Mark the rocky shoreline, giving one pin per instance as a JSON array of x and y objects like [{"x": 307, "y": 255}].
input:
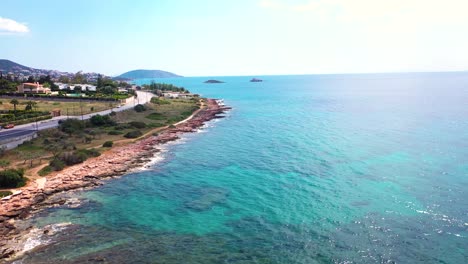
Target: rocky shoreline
[{"x": 112, "y": 163}]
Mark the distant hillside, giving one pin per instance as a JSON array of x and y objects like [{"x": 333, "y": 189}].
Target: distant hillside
[
  {"x": 140, "y": 74},
  {"x": 22, "y": 72},
  {"x": 9, "y": 66}
]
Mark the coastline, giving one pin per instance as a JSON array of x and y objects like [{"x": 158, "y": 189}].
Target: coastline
[{"x": 112, "y": 163}]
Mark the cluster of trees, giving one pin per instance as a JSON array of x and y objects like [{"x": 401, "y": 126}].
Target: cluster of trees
[
  {"x": 64, "y": 151},
  {"x": 108, "y": 86},
  {"x": 29, "y": 105},
  {"x": 70, "y": 158},
  {"x": 78, "y": 77},
  {"x": 8, "y": 83},
  {"x": 15, "y": 115},
  {"x": 158, "y": 88}
]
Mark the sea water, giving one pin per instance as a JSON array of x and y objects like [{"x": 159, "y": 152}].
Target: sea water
[{"x": 304, "y": 169}]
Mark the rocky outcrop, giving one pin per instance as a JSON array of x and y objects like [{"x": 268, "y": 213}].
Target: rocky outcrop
[{"x": 115, "y": 162}]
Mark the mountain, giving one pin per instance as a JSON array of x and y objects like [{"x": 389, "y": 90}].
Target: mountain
[
  {"x": 7, "y": 66},
  {"x": 140, "y": 74}
]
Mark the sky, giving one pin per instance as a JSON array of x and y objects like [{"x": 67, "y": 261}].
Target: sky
[{"x": 236, "y": 37}]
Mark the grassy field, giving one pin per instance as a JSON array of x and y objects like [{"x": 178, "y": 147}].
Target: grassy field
[
  {"x": 38, "y": 152},
  {"x": 158, "y": 115},
  {"x": 73, "y": 108}
]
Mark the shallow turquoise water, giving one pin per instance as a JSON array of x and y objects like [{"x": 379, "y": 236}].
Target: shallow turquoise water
[{"x": 304, "y": 169}]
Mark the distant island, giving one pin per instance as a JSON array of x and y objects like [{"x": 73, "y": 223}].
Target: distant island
[
  {"x": 256, "y": 80},
  {"x": 140, "y": 74},
  {"x": 213, "y": 81}
]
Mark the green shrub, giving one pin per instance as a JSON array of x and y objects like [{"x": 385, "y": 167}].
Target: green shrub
[
  {"x": 139, "y": 108},
  {"x": 72, "y": 158},
  {"x": 99, "y": 120},
  {"x": 57, "y": 164},
  {"x": 12, "y": 178},
  {"x": 115, "y": 132},
  {"x": 158, "y": 101},
  {"x": 71, "y": 126},
  {"x": 108, "y": 144},
  {"x": 133, "y": 134},
  {"x": 137, "y": 124},
  {"x": 44, "y": 171},
  {"x": 154, "y": 125},
  {"x": 5, "y": 193},
  {"x": 155, "y": 116},
  {"x": 90, "y": 152},
  {"x": 122, "y": 126}
]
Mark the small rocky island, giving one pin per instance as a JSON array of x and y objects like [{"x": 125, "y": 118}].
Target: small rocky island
[
  {"x": 213, "y": 81},
  {"x": 256, "y": 80}
]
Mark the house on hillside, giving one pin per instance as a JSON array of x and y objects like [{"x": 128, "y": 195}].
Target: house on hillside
[
  {"x": 122, "y": 90},
  {"x": 32, "y": 88},
  {"x": 84, "y": 87}
]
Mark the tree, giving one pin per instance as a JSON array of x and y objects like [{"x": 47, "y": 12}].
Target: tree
[
  {"x": 64, "y": 79},
  {"x": 45, "y": 79},
  {"x": 108, "y": 90},
  {"x": 99, "y": 81},
  {"x": 30, "y": 105},
  {"x": 59, "y": 146},
  {"x": 79, "y": 78},
  {"x": 31, "y": 156},
  {"x": 7, "y": 86},
  {"x": 31, "y": 79},
  {"x": 14, "y": 102}
]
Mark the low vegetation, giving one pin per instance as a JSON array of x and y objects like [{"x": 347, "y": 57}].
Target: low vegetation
[
  {"x": 74, "y": 108},
  {"x": 74, "y": 140}
]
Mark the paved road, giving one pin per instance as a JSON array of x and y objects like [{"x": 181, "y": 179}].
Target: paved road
[
  {"x": 14, "y": 133},
  {"x": 22, "y": 131}
]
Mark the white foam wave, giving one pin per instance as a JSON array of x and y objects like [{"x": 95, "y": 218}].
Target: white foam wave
[{"x": 41, "y": 236}]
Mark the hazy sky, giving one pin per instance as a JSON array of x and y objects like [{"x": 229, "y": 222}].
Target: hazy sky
[{"x": 238, "y": 37}]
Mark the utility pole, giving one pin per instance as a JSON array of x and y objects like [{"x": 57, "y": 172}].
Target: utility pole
[{"x": 81, "y": 107}]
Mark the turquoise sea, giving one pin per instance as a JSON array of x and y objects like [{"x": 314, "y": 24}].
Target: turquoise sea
[{"x": 305, "y": 169}]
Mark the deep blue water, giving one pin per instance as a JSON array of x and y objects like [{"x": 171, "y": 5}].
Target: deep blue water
[{"x": 304, "y": 169}]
